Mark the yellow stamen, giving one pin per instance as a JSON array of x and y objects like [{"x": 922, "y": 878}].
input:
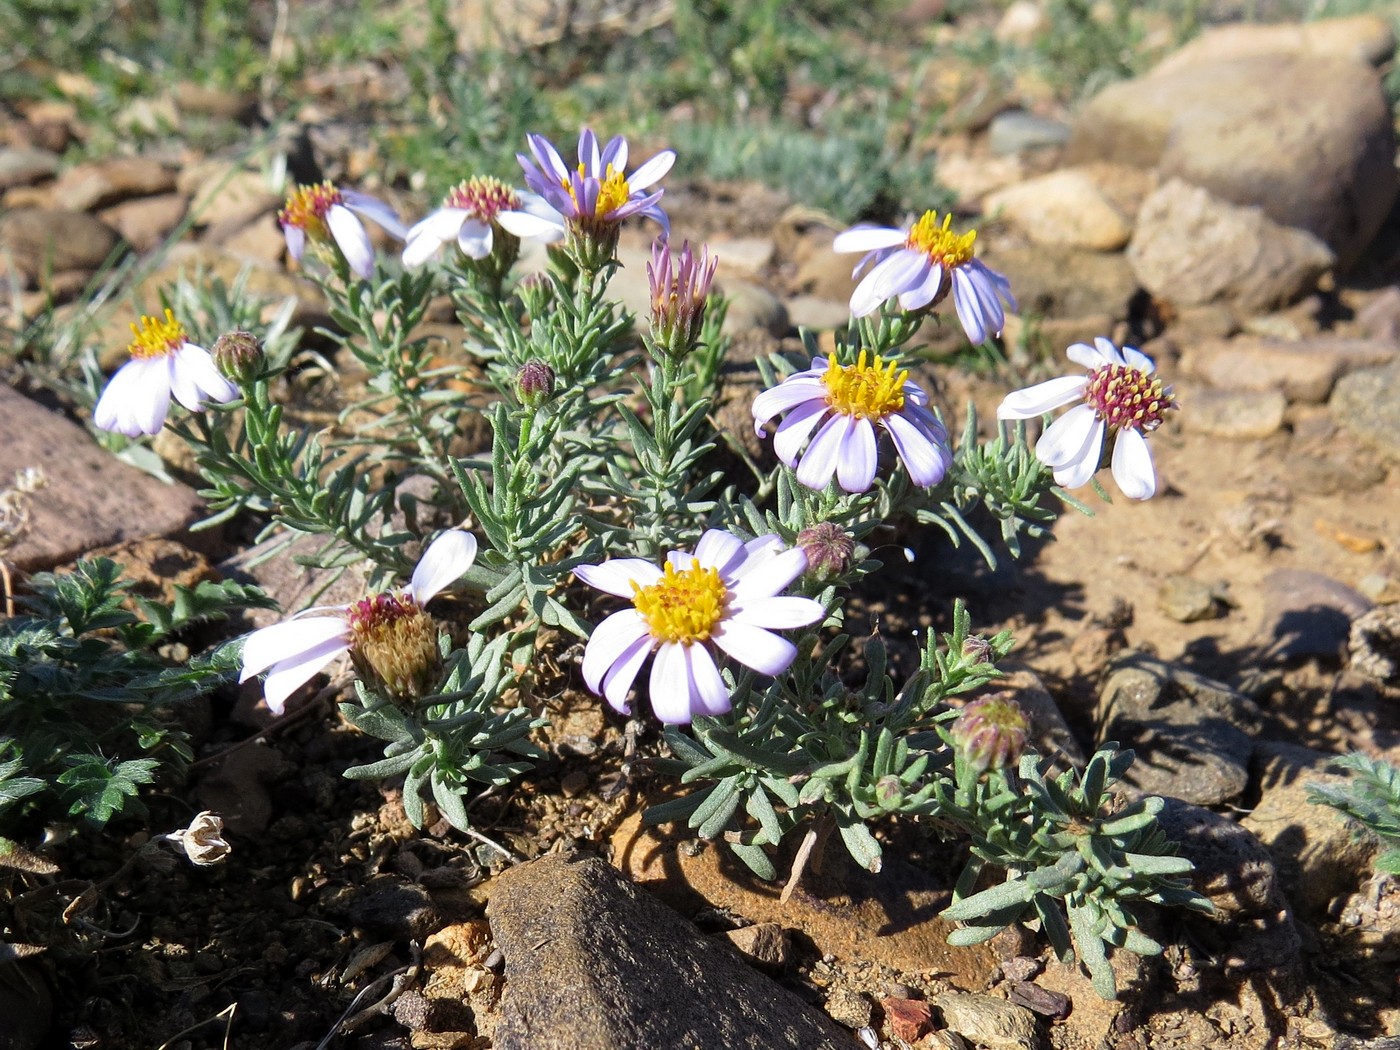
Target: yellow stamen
[
  {"x": 306, "y": 209},
  {"x": 684, "y": 605},
  {"x": 939, "y": 242},
  {"x": 613, "y": 191},
  {"x": 156, "y": 337},
  {"x": 870, "y": 390}
]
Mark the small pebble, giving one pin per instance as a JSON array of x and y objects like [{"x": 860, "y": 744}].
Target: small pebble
[
  {"x": 1187, "y": 600},
  {"x": 849, "y": 1008},
  {"x": 574, "y": 784}
]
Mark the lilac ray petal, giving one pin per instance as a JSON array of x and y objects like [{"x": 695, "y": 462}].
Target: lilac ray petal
[
  {"x": 793, "y": 431},
  {"x": 295, "y": 237},
  {"x": 887, "y": 278},
  {"x": 868, "y": 238},
  {"x": 819, "y": 461},
  {"x": 615, "y": 153},
  {"x": 754, "y": 647},
  {"x": 788, "y": 394},
  {"x": 708, "y": 694},
  {"x": 1044, "y": 397},
  {"x": 612, "y": 638},
  {"x": 476, "y": 239},
  {"x": 287, "y": 677},
  {"x": 353, "y": 240},
  {"x": 924, "y": 292},
  {"x": 670, "y": 684},
  {"x": 616, "y": 575},
  {"x": 442, "y": 564},
  {"x": 375, "y": 210},
  {"x": 548, "y": 157},
  {"x": 588, "y": 153},
  {"x": 980, "y": 319},
  {"x": 288, "y": 641},
  {"x": 855, "y": 469},
  {"x": 777, "y": 613},
  {"x": 653, "y": 170},
  {"x": 925, "y": 459},
  {"x": 1064, "y": 440},
  {"x": 1132, "y": 465},
  {"x": 764, "y": 578},
  {"x": 623, "y": 673}
]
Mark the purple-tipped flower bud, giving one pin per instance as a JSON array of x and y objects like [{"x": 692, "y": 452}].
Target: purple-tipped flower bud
[
  {"x": 829, "y": 549},
  {"x": 889, "y": 792},
  {"x": 680, "y": 286},
  {"x": 534, "y": 384},
  {"x": 991, "y": 732},
  {"x": 977, "y": 650},
  {"x": 238, "y": 355}
]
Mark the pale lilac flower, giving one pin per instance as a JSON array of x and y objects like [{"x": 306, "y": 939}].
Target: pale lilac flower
[
  {"x": 849, "y": 402},
  {"x": 920, "y": 265},
  {"x": 325, "y": 215},
  {"x": 163, "y": 363},
  {"x": 392, "y": 625},
  {"x": 727, "y": 593},
  {"x": 592, "y": 198},
  {"x": 468, "y": 218},
  {"x": 1123, "y": 400}
]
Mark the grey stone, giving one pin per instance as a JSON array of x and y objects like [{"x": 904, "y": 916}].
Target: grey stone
[
  {"x": 1187, "y": 600},
  {"x": 809, "y": 311},
  {"x": 24, "y": 167},
  {"x": 1241, "y": 415},
  {"x": 1368, "y": 404},
  {"x": 92, "y": 499},
  {"x": 753, "y": 306},
  {"x": 1307, "y": 614},
  {"x": 1016, "y": 131},
  {"x": 1190, "y": 248},
  {"x": 765, "y": 944},
  {"x": 394, "y": 908},
  {"x": 1305, "y": 370},
  {"x": 1192, "y": 735},
  {"x": 1306, "y": 137},
  {"x": 593, "y": 963},
  {"x": 988, "y": 1021},
  {"x": 44, "y": 240}
]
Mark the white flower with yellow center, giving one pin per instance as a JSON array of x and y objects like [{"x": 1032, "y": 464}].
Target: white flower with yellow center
[
  {"x": 850, "y": 402},
  {"x": 329, "y": 218},
  {"x": 163, "y": 363},
  {"x": 920, "y": 265},
  {"x": 1123, "y": 400},
  {"x": 725, "y": 594}
]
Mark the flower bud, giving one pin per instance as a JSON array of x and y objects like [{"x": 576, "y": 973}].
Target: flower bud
[
  {"x": 977, "y": 650},
  {"x": 203, "y": 841},
  {"x": 828, "y": 547},
  {"x": 991, "y": 732},
  {"x": 889, "y": 792},
  {"x": 534, "y": 384},
  {"x": 680, "y": 287},
  {"x": 238, "y": 355}
]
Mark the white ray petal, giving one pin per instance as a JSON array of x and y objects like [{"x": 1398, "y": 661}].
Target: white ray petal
[
  {"x": 777, "y": 613},
  {"x": 353, "y": 240},
  {"x": 1065, "y": 440},
  {"x": 287, "y": 641},
  {"x": 1132, "y": 465},
  {"x": 442, "y": 564},
  {"x": 616, "y": 575},
  {"x": 609, "y": 641},
  {"x": 754, "y": 647},
  {"x": 868, "y": 239},
  {"x": 1044, "y": 397}
]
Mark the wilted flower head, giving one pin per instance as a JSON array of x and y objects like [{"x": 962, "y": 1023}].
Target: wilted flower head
[
  {"x": 238, "y": 355},
  {"x": 329, "y": 219},
  {"x": 850, "y": 401},
  {"x": 592, "y": 199},
  {"x": 919, "y": 266},
  {"x": 1123, "y": 401},
  {"x": 828, "y": 547},
  {"x": 991, "y": 732},
  {"x": 680, "y": 286},
  {"x": 203, "y": 841},
  {"x": 534, "y": 383},
  {"x": 726, "y": 593},
  {"x": 390, "y": 637},
  {"x": 163, "y": 363}
]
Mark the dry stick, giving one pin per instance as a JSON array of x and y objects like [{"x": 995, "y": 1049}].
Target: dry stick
[
  {"x": 9, "y": 587},
  {"x": 228, "y": 1027},
  {"x": 348, "y": 1022},
  {"x": 282, "y": 722},
  {"x": 809, "y": 852}
]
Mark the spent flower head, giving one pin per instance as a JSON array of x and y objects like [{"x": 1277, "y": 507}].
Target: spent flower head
[
  {"x": 163, "y": 363},
  {"x": 390, "y": 637},
  {"x": 469, "y": 219},
  {"x": 920, "y": 265},
  {"x": 238, "y": 355},
  {"x": 203, "y": 841},
  {"x": 328, "y": 218},
  {"x": 726, "y": 594},
  {"x": 991, "y": 732},
  {"x": 829, "y": 549},
  {"x": 680, "y": 286},
  {"x": 1123, "y": 400},
  {"x": 850, "y": 402},
  {"x": 592, "y": 199}
]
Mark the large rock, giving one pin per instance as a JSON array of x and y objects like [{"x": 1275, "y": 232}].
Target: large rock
[
  {"x": 1305, "y": 370},
  {"x": 1307, "y": 137},
  {"x": 1192, "y": 735},
  {"x": 1360, "y": 38},
  {"x": 1062, "y": 281},
  {"x": 1368, "y": 404},
  {"x": 1063, "y": 207},
  {"x": 91, "y": 499},
  {"x": 46, "y": 240},
  {"x": 24, "y": 167},
  {"x": 1191, "y": 248},
  {"x": 592, "y": 963}
]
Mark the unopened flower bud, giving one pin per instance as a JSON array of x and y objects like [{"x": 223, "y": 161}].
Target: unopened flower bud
[
  {"x": 977, "y": 650},
  {"x": 889, "y": 792},
  {"x": 238, "y": 355},
  {"x": 535, "y": 291},
  {"x": 534, "y": 384},
  {"x": 991, "y": 732},
  {"x": 680, "y": 287},
  {"x": 203, "y": 841},
  {"x": 828, "y": 547}
]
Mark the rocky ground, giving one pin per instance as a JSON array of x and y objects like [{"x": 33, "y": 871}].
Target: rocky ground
[{"x": 1232, "y": 212}]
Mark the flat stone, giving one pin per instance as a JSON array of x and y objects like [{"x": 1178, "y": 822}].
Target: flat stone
[
  {"x": 24, "y": 167},
  {"x": 96, "y": 185},
  {"x": 765, "y": 944},
  {"x": 989, "y": 1021},
  {"x": 92, "y": 499},
  {"x": 809, "y": 311},
  {"x": 1191, "y": 248},
  {"x": 1016, "y": 131},
  {"x": 742, "y": 256},
  {"x": 146, "y": 221},
  {"x": 225, "y": 193},
  {"x": 753, "y": 306},
  {"x": 1367, "y": 403},
  {"x": 1187, "y": 600},
  {"x": 45, "y": 240},
  {"x": 593, "y": 963},
  {"x": 1062, "y": 281},
  {"x": 1063, "y": 207},
  {"x": 1369, "y": 39},
  {"x": 1192, "y": 735},
  {"x": 1241, "y": 415},
  {"x": 1305, "y": 370},
  {"x": 1307, "y": 613}
]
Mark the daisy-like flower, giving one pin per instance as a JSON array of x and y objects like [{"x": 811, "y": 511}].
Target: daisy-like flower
[
  {"x": 389, "y": 636},
  {"x": 163, "y": 362},
  {"x": 920, "y": 265},
  {"x": 467, "y": 219},
  {"x": 850, "y": 401},
  {"x": 1123, "y": 399},
  {"x": 727, "y": 593},
  {"x": 592, "y": 199},
  {"x": 329, "y": 218},
  {"x": 680, "y": 287}
]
